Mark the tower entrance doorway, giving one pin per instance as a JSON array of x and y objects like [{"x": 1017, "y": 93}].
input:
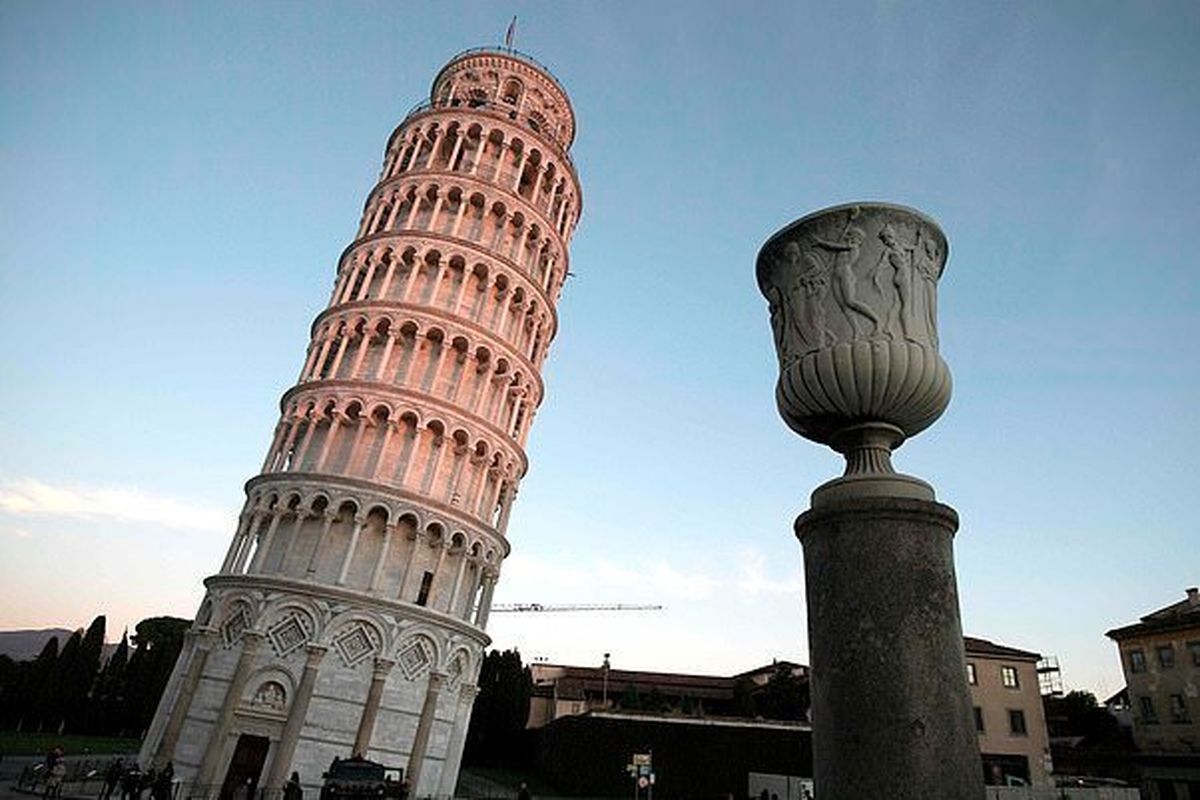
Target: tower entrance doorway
[{"x": 245, "y": 768}]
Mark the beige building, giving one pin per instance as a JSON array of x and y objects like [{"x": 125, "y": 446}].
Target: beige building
[
  {"x": 1009, "y": 718},
  {"x": 1160, "y": 655},
  {"x": 349, "y": 614}
]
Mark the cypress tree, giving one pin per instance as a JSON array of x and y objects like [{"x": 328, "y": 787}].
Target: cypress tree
[
  {"x": 79, "y": 677},
  {"x": 39, "y": 684},
  {"x": 107, "y": 708}
]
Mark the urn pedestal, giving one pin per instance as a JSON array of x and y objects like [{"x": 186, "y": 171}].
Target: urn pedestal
[{"x": 852, "y": 292}]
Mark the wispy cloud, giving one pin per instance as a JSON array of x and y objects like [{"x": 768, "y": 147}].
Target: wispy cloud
[
  {"x": 31, "y": 497},
  {"x": 754, "y": 579}
]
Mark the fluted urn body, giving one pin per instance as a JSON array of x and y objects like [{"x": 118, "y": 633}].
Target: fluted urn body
[{"x": 853, "y": 301}]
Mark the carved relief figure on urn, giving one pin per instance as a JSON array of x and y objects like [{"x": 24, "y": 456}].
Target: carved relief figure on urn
[{"x": 852, "y": 292}]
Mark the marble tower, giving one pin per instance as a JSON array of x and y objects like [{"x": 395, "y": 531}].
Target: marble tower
[{"x": 349, "y": 615}]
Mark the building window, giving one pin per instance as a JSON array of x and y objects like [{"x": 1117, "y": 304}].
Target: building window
[
  {"x": 971, "y": 679},
  {"x": 1179, "y": 712},
  {"x": 1137, "y": 661},
  {"x": 1146, "y": 707},
  {"x": 1194, "y": 649},
  {"x": 1016, "y": 722},
  {"x": 978, "y": 719},
  {"x": 1008, "y": 677},
  {"x": 426, "y": 585},
  {"x": 1166, "y": 656}
]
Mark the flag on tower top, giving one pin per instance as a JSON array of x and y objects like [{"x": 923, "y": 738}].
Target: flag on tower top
[{"x": 508, "y": 37}]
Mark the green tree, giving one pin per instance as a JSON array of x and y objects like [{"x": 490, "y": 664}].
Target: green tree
[
  {"x": 1078, "y": 714},
  {"x": 158, "y": 641},
  {"x": 40, "y": 687},
  {"x": 785, "y": 696},
  {"x": 108, "y": 698},
  {"x": 496, "y": 733},
  {"x": 77, "y": 675}
]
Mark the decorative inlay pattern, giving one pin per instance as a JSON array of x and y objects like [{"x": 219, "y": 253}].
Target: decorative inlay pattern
[
  {"x": 235, "y": 626},
  {"x": 288, "y": 634},
  {"x": 414, "y": 659},
  {"x": 356, "y": 644}
]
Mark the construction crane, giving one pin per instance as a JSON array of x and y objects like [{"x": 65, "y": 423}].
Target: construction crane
[{"x": 547, "y": 607}]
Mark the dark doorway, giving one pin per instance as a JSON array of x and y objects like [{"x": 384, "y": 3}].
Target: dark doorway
[{"x": 241, "y": 780}]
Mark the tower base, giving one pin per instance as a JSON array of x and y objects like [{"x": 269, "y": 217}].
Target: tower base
[{"x": 891, "y": 712}]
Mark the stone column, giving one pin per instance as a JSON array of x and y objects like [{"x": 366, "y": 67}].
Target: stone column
[
  {"x": 485, "y": 601},
  {"x": 248, "y": 539},
  {"x": 887, "y": 651},
  {"x": 891, "y": 710},
  {"x": 344, "y": 572},
  {"x": 364, "y": 345},
  {"x": 251, "y": 640},
  {"x": 416, "y": 758},
  {"x": 454, "y": 750},
  {"x": 260, "y": 555},
  {"x": 282, "y": 762},
  {"x": 366, "y": 723},
  {"x": 311, "y": 570},
  {"x": 235, "y": 547},
  {"x": 387, "y": 355},
  {"x": 384, "y": 552},
  {"x": 202, "y": 644}
]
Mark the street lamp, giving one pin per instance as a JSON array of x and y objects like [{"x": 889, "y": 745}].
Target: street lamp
[{"x": 605, "y": 669}]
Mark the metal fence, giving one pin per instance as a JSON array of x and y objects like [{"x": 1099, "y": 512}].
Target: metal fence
[{"x": 1062, "y": 793}]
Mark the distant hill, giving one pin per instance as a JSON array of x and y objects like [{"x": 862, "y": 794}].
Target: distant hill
[{"x": 25, "y": 645}]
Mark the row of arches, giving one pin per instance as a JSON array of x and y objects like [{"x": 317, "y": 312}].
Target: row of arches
[
  {"x": 434, "y": 361},
  {"x": 369, "y": 547},
  {"x": 511, "y": 310},
  {"x": 496, "y": 156},
  {"x": 498, "y": 225},
  {"x": 338, "y": 436},
  {"x": 233, "y": 611},
  {"x": 481, "y": 84}
]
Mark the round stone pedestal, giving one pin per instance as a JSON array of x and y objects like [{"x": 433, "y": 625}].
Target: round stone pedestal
[{"x": 891, "y": 711}]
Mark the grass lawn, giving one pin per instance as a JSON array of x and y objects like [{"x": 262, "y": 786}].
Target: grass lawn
[{"x": 26, "y": 744}]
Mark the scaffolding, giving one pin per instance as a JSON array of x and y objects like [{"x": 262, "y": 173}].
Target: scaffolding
[{"x": 1049, "y": 677}]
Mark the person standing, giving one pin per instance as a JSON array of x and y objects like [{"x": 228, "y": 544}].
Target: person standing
[
  {"x": 160, "y": 789},
  {"x": 292, "y": 789},
  {"x": 112, "y": 776}
]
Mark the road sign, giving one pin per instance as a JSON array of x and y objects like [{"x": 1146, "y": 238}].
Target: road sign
[
  {"x": 643, "y": 782},
  {"x": 641, "y": 759}
]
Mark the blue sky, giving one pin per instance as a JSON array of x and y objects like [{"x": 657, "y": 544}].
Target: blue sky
[{"x": 181, "y": 178}]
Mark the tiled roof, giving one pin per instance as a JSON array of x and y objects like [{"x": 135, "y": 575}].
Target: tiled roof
[
  {"x": 982, "y": 647},
  {"x": 1180, "y": 615}
]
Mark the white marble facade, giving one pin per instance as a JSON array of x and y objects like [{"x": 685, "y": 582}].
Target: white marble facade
[{"x": 349, "y": 614}]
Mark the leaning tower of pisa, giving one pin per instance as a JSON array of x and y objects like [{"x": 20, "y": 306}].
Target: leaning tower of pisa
[{"x": 349, "y": 614}]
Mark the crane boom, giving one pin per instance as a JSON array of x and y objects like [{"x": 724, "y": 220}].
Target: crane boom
[{"x": 547, "y": 607}]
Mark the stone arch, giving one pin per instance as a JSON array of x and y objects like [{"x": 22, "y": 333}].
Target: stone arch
[{"x": 512, "y": 90}]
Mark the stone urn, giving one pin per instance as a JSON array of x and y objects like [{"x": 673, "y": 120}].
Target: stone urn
[{"x": 852, "y": 292}]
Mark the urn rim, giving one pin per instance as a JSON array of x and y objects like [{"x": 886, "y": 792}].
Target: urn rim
[{"x": 771, "y": 241}]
